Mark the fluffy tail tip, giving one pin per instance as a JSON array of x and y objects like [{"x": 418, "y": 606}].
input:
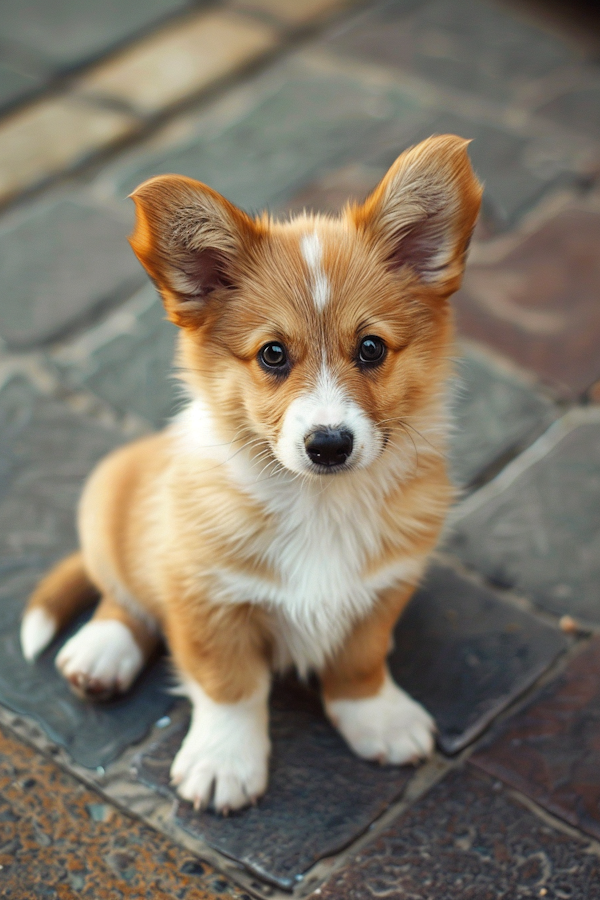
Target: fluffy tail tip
[{"x": 37, "y": 630}]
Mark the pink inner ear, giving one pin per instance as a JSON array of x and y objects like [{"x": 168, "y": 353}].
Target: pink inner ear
[
  {"x": 200, "y": 272},
  {"x": 424, "y": 247}
]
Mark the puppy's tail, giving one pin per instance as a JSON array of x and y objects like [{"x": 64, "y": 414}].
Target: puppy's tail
[{"x": 59, "y": 596}]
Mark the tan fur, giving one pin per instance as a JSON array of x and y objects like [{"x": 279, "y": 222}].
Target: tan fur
[
  {"x": 65, "y": 590},
  {"x": 156, "y": 517}
]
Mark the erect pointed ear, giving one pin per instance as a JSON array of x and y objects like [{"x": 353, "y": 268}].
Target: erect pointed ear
[
  {"x": 190, "y": 240},
  {"x": 423, "y": 212}
]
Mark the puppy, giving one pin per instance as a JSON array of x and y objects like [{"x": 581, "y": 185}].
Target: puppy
[{"x": 286, "y": 515}]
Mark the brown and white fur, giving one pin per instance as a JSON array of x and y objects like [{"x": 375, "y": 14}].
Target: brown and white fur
[{"x": 220, "y": 532}]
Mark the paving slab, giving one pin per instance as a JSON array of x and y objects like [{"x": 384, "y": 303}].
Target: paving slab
[
  {"x": 16, "y": 84},
  {"x": 537, "y": 301},
  {"x": 330, "y": 192},
  {"x": 63, "y": 840},
  {"x": 549, "y": 750},
  {"x": 536, "y": 527},
  {"x": 496, "y": 413},
  {"x": 576, "y": 107},
  {"x": 290, "y": 12},
  {"x": 283, "y": 130},
  {"x": 468, "y": 838},
  {"x": 459, "y": 649},
  {"x": 46, "y": 451},
  {"x": 466, "y": 653},
  {"x": 61, "y": 262},
  {"x": 55, "y": 134},
  {"x": 65, "y": 33},
  {"x": 181, "y": 59},
  {"x": 320, "y": 796},
  {"x": 472, "y": 46},
  {"x": 127, "y": 359}
]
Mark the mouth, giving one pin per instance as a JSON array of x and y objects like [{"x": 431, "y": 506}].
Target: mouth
[{"x": 329, "y": 470}]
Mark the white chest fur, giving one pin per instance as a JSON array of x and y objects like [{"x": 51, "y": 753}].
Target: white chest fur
[{"x": 324, "y": 531}]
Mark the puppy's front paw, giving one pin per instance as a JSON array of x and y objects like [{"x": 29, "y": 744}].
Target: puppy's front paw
[
  {"x": 223, "y": 761},
  {"x": 390, "y": 727},
  {"x": 102, "y": 659}
]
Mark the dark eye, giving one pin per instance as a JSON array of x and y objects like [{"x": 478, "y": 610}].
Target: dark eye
[
  {"x": 273, "y": 356},
  {"x": 371, "y": 351}
]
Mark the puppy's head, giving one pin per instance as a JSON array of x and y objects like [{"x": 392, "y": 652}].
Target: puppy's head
[{"x": 315, "y": 340}]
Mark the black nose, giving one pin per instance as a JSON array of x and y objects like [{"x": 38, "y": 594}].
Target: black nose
[{"x": 329, "y": 446}]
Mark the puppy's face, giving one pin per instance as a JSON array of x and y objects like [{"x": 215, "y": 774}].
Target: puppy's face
[{"x": 315, "y": 340}]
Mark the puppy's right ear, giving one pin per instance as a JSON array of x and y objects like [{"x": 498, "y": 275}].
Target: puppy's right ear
[{"x": 190, "y": 240}]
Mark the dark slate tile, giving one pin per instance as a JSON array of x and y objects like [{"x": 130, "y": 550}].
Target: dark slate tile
[
  {"x": 473, "y": 46},
  {"x": 495, "y": 415},
  {"x": 46, "y": 451},
  {"x": 59, "y": 264},
  {"x": 63, "y": 33},
  {"x": 128, "y": 360},
  {"x": 536, "y": 527},
  {"x": 549, "y": 750},
  {"x": 468, "y": 838},
  {"x": 466, "y": 654},
  {"x": 320, "y": 796},
  {"x": 330, "y": 192},
  {"x": 302, "y": 120},
  {"x": 576, "y": 108},
  {"x": 538, "y": 301},
  {"x": 15, "y": 84}
]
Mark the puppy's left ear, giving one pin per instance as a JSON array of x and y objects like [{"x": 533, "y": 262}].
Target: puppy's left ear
[
  {"x": 423, "y": 212},
  {"x": 191, "y": 241}
]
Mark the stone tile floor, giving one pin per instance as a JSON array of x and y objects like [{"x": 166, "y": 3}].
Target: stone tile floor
[{"x": 286, "y": 104}]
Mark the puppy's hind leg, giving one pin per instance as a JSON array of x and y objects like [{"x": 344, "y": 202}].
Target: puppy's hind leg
[{"x": 106, "y": 655}]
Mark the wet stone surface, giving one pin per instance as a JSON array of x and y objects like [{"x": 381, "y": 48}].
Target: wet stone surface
[
  {"x": 128, "y": 360},
  {"x": 66, "y": 32},
  {"x": 320, "y": 796},
  {"x": 60, "y": 263},
  {"x": 495, "y": 414},
  {"x": 46, "y": 452},
  {"x": 465, "y": 654},
  {"x": 467, "y": 838},
  {"x": 549, "y": 750},
  {"x": 15, "y": 83},
  {"x": 470, "y": 45},
  {"x": 578, "y": 108},
  {"x": 537, "y": 526},
  {"x": 61, "y": 840}
]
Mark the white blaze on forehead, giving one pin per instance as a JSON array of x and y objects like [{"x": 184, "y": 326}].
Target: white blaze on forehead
[{"x": 312, "y": 252}]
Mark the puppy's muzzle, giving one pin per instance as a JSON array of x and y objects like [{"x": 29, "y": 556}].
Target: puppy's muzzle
[{"x": 329, "y": 447}]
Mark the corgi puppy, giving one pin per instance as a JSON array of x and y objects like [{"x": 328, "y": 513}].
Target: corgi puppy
[{"x": 284, "y": 517}]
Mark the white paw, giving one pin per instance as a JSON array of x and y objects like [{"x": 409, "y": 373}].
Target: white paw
[
  {"x": 37, "y": 630},
  {"x": 102, "y": 659},
  {"x": 223, "y": 761},
  {"x": 390, "y": 727}
]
